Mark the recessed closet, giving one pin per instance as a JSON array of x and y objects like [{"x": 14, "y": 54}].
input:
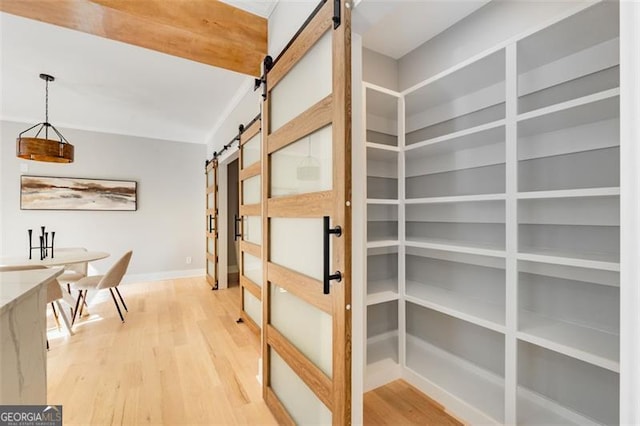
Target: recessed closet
[{"x": 490, "y": 207}]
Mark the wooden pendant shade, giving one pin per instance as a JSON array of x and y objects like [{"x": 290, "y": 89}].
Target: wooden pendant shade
[
  {"x": 47, "y": 150},
  {"x": 44, "y": 149}
]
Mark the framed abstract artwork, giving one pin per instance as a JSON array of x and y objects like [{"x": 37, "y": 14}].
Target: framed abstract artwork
[{"x": 65, "y": 193}]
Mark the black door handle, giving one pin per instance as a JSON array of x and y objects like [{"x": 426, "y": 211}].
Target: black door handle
[
  {"x": 211, "y": 228},
  {"x": 236, "y": 228},
  {"x": 328, "y": 277}
]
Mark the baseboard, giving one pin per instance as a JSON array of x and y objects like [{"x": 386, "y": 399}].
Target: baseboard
[{"x": 161, "y": 276}]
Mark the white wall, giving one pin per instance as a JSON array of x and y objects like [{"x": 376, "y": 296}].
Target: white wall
[
  {"x": 379, "y": 69},
  {"x": 166, "y": 228},
  {"x": 492, "y": 24}
]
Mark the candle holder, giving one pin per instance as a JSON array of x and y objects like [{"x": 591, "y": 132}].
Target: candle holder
[{"x": 44, "y": 243}]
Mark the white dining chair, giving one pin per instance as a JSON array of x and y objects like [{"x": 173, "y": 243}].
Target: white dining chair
[{"x": 110, "y": 281}]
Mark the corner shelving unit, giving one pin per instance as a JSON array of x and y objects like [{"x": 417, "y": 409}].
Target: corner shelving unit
[
  {"x": 383, "y": 231},
  {"x": 494, "y": 229}
]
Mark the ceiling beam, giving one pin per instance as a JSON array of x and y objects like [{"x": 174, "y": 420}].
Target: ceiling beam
[{"x": 206, "y": 31}]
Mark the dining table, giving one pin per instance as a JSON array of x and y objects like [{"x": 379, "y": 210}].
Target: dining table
[{"x": 61, "y": 257}]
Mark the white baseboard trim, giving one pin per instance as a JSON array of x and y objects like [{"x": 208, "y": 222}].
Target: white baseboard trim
[{"x": 164, "y": 275}]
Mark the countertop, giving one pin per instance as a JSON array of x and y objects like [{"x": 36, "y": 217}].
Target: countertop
[{"x": 16, "y": 284}]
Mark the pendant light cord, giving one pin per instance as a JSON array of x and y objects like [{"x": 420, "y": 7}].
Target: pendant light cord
[{"x": 46, "y": 108}]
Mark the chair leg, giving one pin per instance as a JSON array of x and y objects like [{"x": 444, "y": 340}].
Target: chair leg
[
  {"x": 116, "y": 302},
  {"x": 65, "y": 319},
  {"x": 55, "y": 315},
  {"x": 84, "y": 301},
  {"x": 75, "y": 310},
  {"x": 121, "y": 299}
]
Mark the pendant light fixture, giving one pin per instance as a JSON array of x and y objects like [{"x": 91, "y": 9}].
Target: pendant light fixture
[{"x": 44, "y": 149}]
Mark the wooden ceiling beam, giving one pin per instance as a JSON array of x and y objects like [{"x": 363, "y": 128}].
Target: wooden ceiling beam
[{"x": 206, "y": 31}]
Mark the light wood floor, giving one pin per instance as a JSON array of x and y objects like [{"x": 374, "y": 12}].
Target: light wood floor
[
  {"x": 180, "y": 359},
  {"x": 398, "y": 403}
]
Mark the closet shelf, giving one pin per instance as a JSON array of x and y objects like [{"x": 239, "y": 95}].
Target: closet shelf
[
  {"x": 575, "y": 115},
  {"x": 383, "y": 347},
  {"x": 535, "y": 409},
  {"x": 583, "y": 343},
  {"x": 570, "y": 193},
  {"x": 442, "y": 373},
  {"x": 374, "y": 201},
  {"x": 383, "y": 147},
  {"x": 484, "y": 314},
  {"x": 385, "y": 243},
  {"x": 456, "y": 199},
  {"x": 381, "y": 291},
  {"x": 469, "y": 249},
  {"x": 570, "y": 261},
  {"x": 475, "y": 136}
]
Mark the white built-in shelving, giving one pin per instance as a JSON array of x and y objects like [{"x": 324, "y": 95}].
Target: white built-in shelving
[
  {"x": 506, "y": 162},
  {"x": 384, "y": 226}
]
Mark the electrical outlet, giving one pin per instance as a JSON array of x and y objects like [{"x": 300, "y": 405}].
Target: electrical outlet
[{"x": 188, "y": 260}]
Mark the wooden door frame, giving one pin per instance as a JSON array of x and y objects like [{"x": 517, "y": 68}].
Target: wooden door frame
[
  {"x": 251, "y": 130},
  {"x": 223, "y": 217},
  {"x": 335, "y": 109},
  {"x": 211, "y": 167}
]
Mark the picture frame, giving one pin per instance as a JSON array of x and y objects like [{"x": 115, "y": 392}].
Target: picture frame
[{"x": 69, "y": 193}]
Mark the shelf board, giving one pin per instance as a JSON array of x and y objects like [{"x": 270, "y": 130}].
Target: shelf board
[
  {"x": 488, "y": 315},
  {"x": 374, "y": 201},
  {"x": 456, "y": 382},
  {"x": 456, "y": 199},
  {"x": 570, "y": 193},
  {"x": 587, "y": 109},
  {"x": 484, "y": 134},
  {"x": 583, "y": 343},
  {"x": 535, "y": 409},
  {"x": 381, "y": 291},
  {"x": 383, "y": 346},
  {"x": 570, "y": 261},
  {"x": 384, "y": 243},
  {"x": 383, "y": 147},
  {"x": 456, "y": 248}
]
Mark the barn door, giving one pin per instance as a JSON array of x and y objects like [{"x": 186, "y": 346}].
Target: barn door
[
  {"x": 307, "y": 224},
  {"x": 250, "y": 233},
  {"x": 211, "y": 223}
]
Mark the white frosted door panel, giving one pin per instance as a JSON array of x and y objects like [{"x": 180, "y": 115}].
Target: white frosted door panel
[
  {"x": 210, "y": 178},
  {"x": 307, "y": 83},
  {"x": 252, "y": 307},
  {"x": 252, "y": 230},
  {"x": 297, "y": 244},
  {"x": 251, "y": 190},
  {"x": 302, "y": 404},
  {"x": 211, "y": 246},
  {"x": 252, "y": 268},
  {"x": 211, "y": 268},
  {"x": 303, "y": 166},
  {"x": 311, "y": 330},
  {"x": 251, "y": 151},
  {"x": 210, "y": 200}
]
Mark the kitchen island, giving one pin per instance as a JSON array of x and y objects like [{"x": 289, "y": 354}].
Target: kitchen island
[{"x": 23, "y": 352}]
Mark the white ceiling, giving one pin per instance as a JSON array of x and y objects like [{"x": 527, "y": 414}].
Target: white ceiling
[
  {"x": 108, "y": 86},
  {"x": 407, "y": 24}
]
